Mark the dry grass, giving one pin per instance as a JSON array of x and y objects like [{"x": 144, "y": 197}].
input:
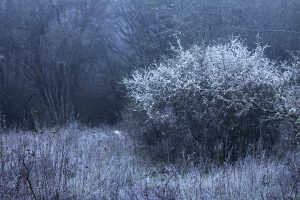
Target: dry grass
[{"x": 81, "y": 163}]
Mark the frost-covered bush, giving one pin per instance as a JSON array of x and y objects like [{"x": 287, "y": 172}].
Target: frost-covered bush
[
  {"x": 219, "y": 100},
  {"x": 291, "y": 96}
]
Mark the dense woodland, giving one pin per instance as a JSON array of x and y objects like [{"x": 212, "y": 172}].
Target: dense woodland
[
  {"x": 150, "y": 99},
  {"x": 65, "y": 59}
]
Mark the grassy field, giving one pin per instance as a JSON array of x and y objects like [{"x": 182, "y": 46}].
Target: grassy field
[{"x": 76, "y": 162}]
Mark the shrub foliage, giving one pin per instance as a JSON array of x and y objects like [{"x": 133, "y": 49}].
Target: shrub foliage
[{"x": 218, "y": 100}]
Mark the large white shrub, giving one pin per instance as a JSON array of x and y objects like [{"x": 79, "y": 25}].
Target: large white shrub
[
  {"x": 213, "y": 90},
  {"x": 223, "y": 71}
]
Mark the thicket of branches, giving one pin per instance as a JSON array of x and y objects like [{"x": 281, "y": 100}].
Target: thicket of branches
[
  {"x": 57, "y": 62},
  {"x": 216, "y": 101}
]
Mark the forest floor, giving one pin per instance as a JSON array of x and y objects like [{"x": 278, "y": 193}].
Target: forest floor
[{"x": 76, "y": 162}]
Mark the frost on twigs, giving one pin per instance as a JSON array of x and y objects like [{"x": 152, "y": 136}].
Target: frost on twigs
[
  {"x": 230, "y": 73},
  {"x": 220, "y": 92}
]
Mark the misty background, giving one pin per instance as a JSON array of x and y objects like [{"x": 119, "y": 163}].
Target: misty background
[{"x": 63, "y": 60}]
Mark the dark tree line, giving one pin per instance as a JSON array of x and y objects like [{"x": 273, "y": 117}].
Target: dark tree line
[
  {"x": 56, "y": 61},
  {"x": 64, "y": 59}
]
